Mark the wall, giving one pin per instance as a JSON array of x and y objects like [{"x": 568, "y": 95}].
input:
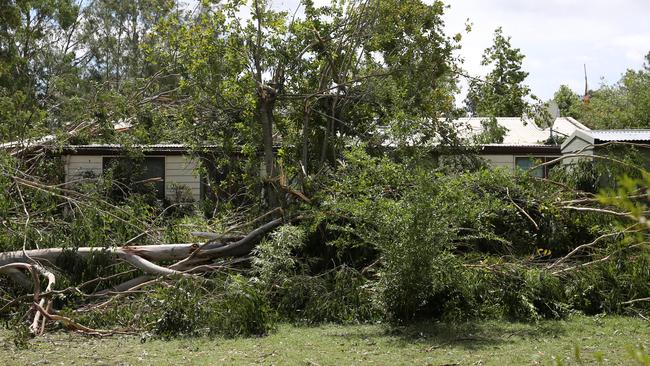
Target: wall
[
  {"x": 78, "y": 165},
  {"x": 180, "y": 170},
  {"x": 574, "y": 146},
  {"x": 501, "y": 161}
]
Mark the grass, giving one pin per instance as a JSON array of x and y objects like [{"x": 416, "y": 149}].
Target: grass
[{"x": 483, "y": 343}]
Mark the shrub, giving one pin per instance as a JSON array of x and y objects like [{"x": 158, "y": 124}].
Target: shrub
[
  {"x": 235, "y": 307},
  {"x": 227, "y": 306},
  {"x": 340, "y": 294}
]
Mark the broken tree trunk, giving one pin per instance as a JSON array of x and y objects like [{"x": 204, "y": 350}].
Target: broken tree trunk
[{"x": 188, "y": 259}]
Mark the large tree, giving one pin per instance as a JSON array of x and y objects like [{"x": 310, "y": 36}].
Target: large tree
[
  {"x": 503, "y": 91},
  {"x": 567, "y": 101},
  {"x": 277, "y": 85},
  {"x": 625, "y": 104},
  {"x": 35, "y": 52}
]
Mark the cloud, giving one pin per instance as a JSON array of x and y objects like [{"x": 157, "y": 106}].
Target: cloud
[
  {"x": 634, "y": 46},
  {"x": 558, "y": 37}
]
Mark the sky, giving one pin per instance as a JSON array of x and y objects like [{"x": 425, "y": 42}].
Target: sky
[{"x": 557, "y": 37}]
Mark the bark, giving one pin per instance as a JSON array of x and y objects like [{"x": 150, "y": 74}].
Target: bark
[
  {"x": 155, "y": 253},
  {"x": 266, "y": 101}
]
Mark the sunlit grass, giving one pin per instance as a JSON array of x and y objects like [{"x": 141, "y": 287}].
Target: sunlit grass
[{"x": 482, "y": 343}]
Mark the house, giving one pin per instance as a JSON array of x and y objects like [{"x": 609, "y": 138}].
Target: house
[
  {"x": 524, "y": 144},
  {"x": 173, "y": 168},
  {"x": 624, "y": 144},
  {"x": 595, "y": 142},
  {"x": 170, "y": 167}
]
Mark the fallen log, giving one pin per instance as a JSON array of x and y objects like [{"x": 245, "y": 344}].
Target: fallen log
[
  {"x": 154, "y": 253},
  {"x": 189, "y": 259}
]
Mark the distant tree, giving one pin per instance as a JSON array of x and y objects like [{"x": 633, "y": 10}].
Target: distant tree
[
  {"x": 502, "y": 92},
  {"x": 492, "y": 133},
  {"x": 567, "y": 101},
  {"x": 35, "y": 51},
  {"x": 115, "y": 34},
  {"x": 625, "y": 104}
]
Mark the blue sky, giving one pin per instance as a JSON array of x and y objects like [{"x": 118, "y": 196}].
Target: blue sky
[{"x": 557, "y": 37}]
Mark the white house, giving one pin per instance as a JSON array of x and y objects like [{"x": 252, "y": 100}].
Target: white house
[
  {"x": 170, "y": 165},
  {"x": 524, "y": 144}
]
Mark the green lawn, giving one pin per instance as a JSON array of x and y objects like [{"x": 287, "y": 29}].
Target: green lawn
[{"x": 484, "y": 343}]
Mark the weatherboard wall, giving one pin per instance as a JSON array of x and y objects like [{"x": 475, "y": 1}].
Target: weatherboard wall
[
  {"x": 500, "y": 161},
  {"x": 574, "y": 147},
  {"x": 180, "y": 173}
]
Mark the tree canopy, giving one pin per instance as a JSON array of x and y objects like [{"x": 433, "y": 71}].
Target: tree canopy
[
  {"x": 624, "y": 104},
  {"x": 503, "y": 91}
]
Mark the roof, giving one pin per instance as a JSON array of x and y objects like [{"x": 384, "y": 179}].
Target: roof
[
  {"x": 593, "y": 137},
  {"x": 520, "y": 131},
  {"x": 112, "y": 149},
  {"x": 567, "y": 125},
  {"x": 120, "y": 126},
  {"x": 620, "y": 135},
  {"x": 520, "y": 149}
]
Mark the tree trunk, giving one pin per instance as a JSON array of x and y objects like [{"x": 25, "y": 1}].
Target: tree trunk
[
  {"x": 265, "y": 105},
  {"x": 305, "y": 139}
]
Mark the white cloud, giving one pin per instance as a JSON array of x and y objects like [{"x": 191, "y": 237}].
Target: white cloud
[{"x": 557, "y": 36}]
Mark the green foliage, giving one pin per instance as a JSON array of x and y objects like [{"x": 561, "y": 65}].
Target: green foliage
[
  {"x": 19, "y": 329},
  {"x": 194, "y": 308},
  {"x": 603, "y": 287},
  {"x": 567, "y": 101},
  {"x": 426, "y": 226},
  {"x": 502, "y": 92},
  {"x": 341, "y": 294},
  {"x": 492, "y": 132},
  {"x": 225, "y": 306},
  {"x": 275, "y": 259},
  {"x": 625, "y": 104}
]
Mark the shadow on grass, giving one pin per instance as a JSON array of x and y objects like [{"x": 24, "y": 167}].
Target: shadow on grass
[{"x": 470, "y": 335}]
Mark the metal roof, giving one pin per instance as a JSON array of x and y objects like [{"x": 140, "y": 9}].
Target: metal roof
[
  {"x": 520, "y": 149},
  {"x": 620, "y": 135},
  {"x": 148, "y": 149},
  {"x": 520, "y": 131}
]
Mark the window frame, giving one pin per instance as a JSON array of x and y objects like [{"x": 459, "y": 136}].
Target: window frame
[
  {"x": 542, "y": 160},
  {"x": 160, "y": 193}
]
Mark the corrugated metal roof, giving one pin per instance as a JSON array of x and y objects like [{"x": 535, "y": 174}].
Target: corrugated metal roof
[
  {"x": 116, "y": 148},
  {"x": 520, "y": 131},
  {"x": 620, "y": 135},
  {"x": 521, "y": 145},
  {"x": 567, "y": 125}
]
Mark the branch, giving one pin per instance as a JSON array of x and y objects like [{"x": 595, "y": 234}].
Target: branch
[{"x": 588, "y": 245}]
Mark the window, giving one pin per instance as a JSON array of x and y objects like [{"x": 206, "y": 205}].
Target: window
[
  {"x": 528, "y": 162},
  {"x": 139, "y": 176}
]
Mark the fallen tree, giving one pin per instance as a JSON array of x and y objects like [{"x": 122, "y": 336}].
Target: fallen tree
[
  {"x": 385, "y": 239},
  {"x": 188, "y": 259}
]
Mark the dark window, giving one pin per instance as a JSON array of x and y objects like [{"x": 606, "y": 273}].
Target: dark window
[
  {"x": 140, "y": 176},
  {"x": 528, "y": 162}
]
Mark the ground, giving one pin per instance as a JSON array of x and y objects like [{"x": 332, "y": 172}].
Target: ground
[{"x": 483, "y": 343}]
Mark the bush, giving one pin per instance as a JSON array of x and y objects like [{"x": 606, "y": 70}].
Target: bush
[
  {"x": 424, "y": 224},
  {"x": 226, "y": 306},
  {"x": 340, "y": 294},
  {"x": 235, "y": 307}
]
